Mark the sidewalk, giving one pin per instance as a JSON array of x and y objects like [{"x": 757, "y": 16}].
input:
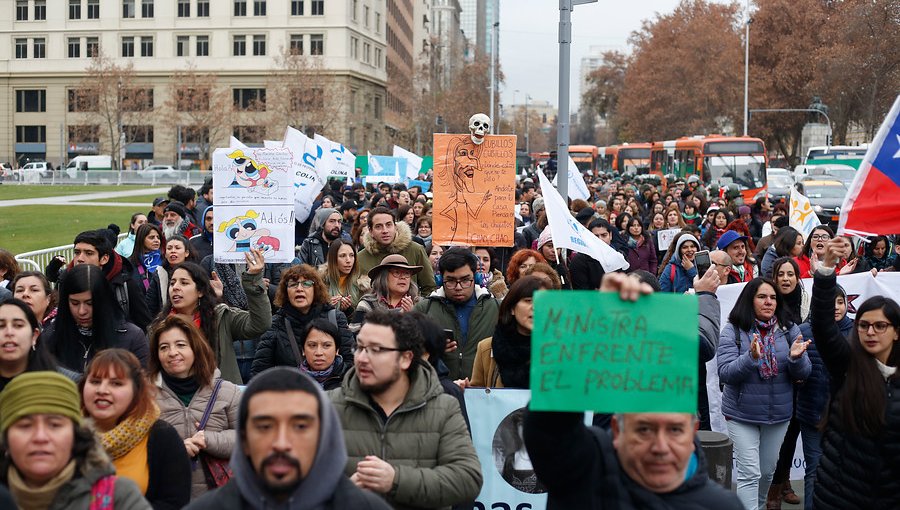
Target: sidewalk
[{"x": 83, "y": 198}]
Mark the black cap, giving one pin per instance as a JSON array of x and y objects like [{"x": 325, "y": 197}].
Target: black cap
[
  {"x": 177, "y": 207},
  {"x": 584, "y": 214},
  {"x": 348, "y": 205},
  {"x": 160, "y": 200}
]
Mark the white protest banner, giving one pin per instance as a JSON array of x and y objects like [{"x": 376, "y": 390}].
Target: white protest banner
[
  {"x": 802, "y": 217},
  {"x": 254, "y": 204},
  {"x": 496, "y": 419},
  {"x": 568, "y": 233},
  {"x": 344, "y": 161},
  {"x": 577, "y": 186},
  {"x": 272, "y": 144},
  {"x": 664, "y": 238},
  {"x": 234, "y": 143},
  {"x": 413, "y": 162},
  {"x": 327, "y": 165},
  {"x": 307, "y": 180}
]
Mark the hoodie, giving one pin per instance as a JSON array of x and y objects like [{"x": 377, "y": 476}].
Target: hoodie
[
  {"x": 203, "y": 242},
  {"x": 675, "y": 278}
]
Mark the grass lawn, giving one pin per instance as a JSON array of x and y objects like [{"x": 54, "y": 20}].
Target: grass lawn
[
  {"x": 33, "y": 227},
  {"x": 139, "y": 199},
  {"x": 15, "y": 191}
]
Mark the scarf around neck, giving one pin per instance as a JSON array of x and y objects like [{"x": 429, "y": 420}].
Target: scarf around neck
[
  {"x": 121, "y": 439},
  {"x": 512, "y": 352},
  {"x": 186, "y": 386},
  {"x": 37, "y": 498},
  {"x": 151, "y": 260},
  {"x": 322, "y": 375},
  {"x": 768, "y": 363}
]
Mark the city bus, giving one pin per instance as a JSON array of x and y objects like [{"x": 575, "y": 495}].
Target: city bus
[
  {"x": 627, "y": 158},
  {"x": 717, "y": 159},
  {"x": 851, "y": 155},
  {"x": 585, "y": 158}
]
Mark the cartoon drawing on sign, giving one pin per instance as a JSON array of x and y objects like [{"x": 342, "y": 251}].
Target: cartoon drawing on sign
[
  {"x": 245, "y": 233},
  {"x": 510, "y": 456},
  {"x": 251, "y": 175},
  {"x": 460, "y": 180}
]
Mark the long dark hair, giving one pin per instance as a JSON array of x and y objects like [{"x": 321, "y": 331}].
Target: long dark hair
[
  {"x": 785, "y": 240},
  {"x": 524, "y": 288},
  {"x": 862, "y": 399},
  {"x": 107, "y": 314},
  {"x": 743, "y": 315},
  {"x": 206, "y": 305},
  {"x": 807, "y": 247},
  {"x": 143, "y": 231},
  {"x": 38, "y": 357},
  {"x": 190, "y": 255},
  {"x": 794, "y": 300}
]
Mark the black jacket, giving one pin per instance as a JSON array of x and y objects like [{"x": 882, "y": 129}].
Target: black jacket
[
  {"x": 128, "y": 337},
  {"x": 580, "y": 469},
  {"x": 170, "y": 468},
  {"x": 855, "y": 471},
  {"x": 313, "y": 250},
  {"x": 274, "y": 348},
  {"x": 129, "y": 294},
  {"x": 346, "y": 496},
  {"x": 585, "y": 272}
]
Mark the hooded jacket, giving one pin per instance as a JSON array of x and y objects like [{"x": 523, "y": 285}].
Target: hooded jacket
[
  {"x": 203, "y": 242},
  {"x": 373, "y": 253},
  {"x": 683, "y": 279},
  {"x": 425, "y": 440},
  {"x": 481, "y": 325},
  {"x": 324, "y": 488},
  {"x": 581, "y": 469}
]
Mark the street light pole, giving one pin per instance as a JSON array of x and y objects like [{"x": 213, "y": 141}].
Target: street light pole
[
  {"x": 746, "y": 67},
  {"x": 495, "y": 30},
  {"x": 527, "y": 144}
]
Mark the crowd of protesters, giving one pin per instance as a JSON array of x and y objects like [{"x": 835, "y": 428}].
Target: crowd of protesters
[{"x": 355, "y": 357}]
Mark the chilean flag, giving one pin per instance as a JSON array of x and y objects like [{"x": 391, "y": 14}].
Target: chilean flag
[{"x": 873, "y": 204}]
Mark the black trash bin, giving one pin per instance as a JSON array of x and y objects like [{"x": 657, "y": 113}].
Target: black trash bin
[{"x": 719, "y": 452}]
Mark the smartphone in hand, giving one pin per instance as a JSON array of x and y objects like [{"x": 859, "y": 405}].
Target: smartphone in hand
[{"x": 703, "y": 262}]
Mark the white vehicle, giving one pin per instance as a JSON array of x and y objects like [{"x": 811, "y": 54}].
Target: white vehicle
[
  {"x": 160, "y": 172},
  {"x": 837, "y": 152},
  {"x": 801, "y": 171},
  {"x": 34, "y": 171},
  {"x": 85, "y": 163}
]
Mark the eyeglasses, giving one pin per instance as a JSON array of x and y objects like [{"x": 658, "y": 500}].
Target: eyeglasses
[
  {"x": 403, "y": 274},
  {"x": 293, "y": 284},
  {"x": 820, "y": 237},
  {"x": 880, "y": 326},
  {"x": 374, "y": 350},
  {"x": 465, "y": 283}
]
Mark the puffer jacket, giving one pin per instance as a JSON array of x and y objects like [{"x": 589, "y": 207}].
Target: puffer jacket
[
  {"x": 236, "y": 324},
  {"x": 220, "y": 426},
  {"x": 76, "y": 493},
  {"x": 855, "y": 471},
  {"x": 748, "y": 397},
  {"x": 481, "y": 325},
  {"x": 425, "y": 440},
  {"x": 675, "y": 278},
  {"x": 373, "y": 253},
  {"x": 812, "y": 395},
  {"x": 274, "y": 348}
]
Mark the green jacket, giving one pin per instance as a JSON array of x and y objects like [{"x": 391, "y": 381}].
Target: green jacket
[
  {"x": 425, "y": 440},
  {"x": 373, "y": 253},
  {"x": 482, "y": 323},
  {"x": 236, "y": 324}
]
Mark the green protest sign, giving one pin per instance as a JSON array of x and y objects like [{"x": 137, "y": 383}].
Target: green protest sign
[{"x": 591, "y": 351}]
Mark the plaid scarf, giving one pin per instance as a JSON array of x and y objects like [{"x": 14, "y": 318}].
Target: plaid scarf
[
  {"x": 768, "y": 364},
  {"x": 126, "y": 435}
]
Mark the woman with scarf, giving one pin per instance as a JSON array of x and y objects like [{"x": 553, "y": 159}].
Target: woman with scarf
[
  {"x": 690, "y": 214},
  {"x": 303, "y": 297},
  {"x": 761, "y": 354},
  {"x": 504, "y": 360},
  {"x": 120, "y": 400},
  {"x": 183, "y": 367},
  {"x": 89, "y": 321},
  {"x": 878, "y": 253},
  {"x": 178, "y": 251},
  {"x": 641, "y": 252},
  {"x": 718, "y": 227},
  {"x": 320, "y": 354},
  {"x": 34, "y": 288},
  {"x": 192, "y": 295},
  {"x": 41, "y": 410},
  {"x": 341, "y": 276},
  {"x": 146, "y": 256},
  {"x": 423, "y": 230}
]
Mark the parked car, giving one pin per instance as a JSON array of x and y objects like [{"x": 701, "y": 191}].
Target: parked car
[
  {"x": 826, "y": 199},
  {"x": 160, "y": 172},
  {"x": 35, "y": 171},
  {"x": 780, "y": 182}
]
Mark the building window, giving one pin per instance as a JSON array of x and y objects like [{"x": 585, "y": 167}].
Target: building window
[
  {"x": 296, "y": 44},
  {"x": 31, "y": 134},
  {"x": 146, "y": 8},
  {"x": 192, "y": 100},
  {"x": 318, "y": 8},
  {"x": 367, "y": 53},
  {"x": 378, "y": 58},
  {"x": 366, "y": 16},
  {"x": 202, "y": 8},
  {"x": 74, "y": 47},
  {"x": 83, "y": 100},
  {"x": 296, "y": 7},
  {"x": 181, "y": 46},
  {"x": 316, "y": 44},
  {"x": 147, "y": 46},
  {"x": 127, "y": 8},
  {"x": 240, "y": 45},
  {"x": 202, "y": 45},
  {"x": 250, "y": 134},
  {"x": 377, "y": 22},
  {"x": 83, "y": 134},
  {"x": 21, "y": 10},
  {"x": 353, "y": 94},
  {"x": 40, "y": 47},
  {"x": 21, "y": 48},
  {"x": 259, "y": 7},
  {"x": 354, "y": 7},
  {"x": 354, "y": 48},
  {"x": 93, "y": 8},
  {"x": 137, "y": 100},
  {"x": 31, "y": 101},
  {"x": 250, "y": 99},
  {"x": 128, "y": 46},
  {"x": 74, "y": 9},
  {"x": 40, "y": 10},
  {"x": 302, "y": 99},
  {"x": 378, "y": 107},
  {"x": 184, "y": 8},
  {"x": 139, "y": 134},
  {"x": 240, "y": 7},
  {"x": 259, "y": 45},
  {"x": 92, "y": 46}
]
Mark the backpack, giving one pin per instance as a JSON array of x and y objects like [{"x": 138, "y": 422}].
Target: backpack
[{"x": 103, "y": 493}]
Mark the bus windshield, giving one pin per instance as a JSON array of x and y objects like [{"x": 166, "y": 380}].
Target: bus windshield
[
  {"x": 834, "y": 152},
  {"x": 748, "y": 172},
  {"x": 634, "y": 161},
  {"x": 583, "y": 160}
]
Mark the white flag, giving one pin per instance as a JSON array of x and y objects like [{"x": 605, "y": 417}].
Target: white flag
[
  {"x": 307, "y": 180},
  {"x": 577, "y": 187},
  {"x": 568, "y": 233},
  {"x": 234, "y": 143},
  {"x": 802, "y": 216},
  {"x": 413, "y": 162}
]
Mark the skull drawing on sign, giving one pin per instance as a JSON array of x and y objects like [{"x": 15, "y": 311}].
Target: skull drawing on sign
[{"x": 479, "y": 125}]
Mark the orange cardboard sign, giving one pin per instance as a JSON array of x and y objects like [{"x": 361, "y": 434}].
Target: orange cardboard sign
[{"x": 474, "y": 190}]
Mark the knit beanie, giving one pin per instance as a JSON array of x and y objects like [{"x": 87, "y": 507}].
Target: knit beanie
[
  {"x": 545, "y": 237},
  {"x": 39, "y": 393}
]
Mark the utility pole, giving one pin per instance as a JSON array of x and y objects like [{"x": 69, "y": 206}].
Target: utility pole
[
  {"x": 562, "y": 134},
  {"x": 495, "y": 32},
  {"x": 747, "y": 21},
  {"x": 527, "y": 145}
]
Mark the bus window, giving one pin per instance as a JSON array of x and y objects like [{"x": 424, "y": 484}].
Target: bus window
[{"x": 748, "y": 172}]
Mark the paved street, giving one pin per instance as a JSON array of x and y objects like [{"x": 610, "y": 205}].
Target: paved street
[{"x": 84, "y": 198}]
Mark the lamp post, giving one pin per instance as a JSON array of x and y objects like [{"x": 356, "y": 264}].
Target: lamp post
[
  {"x": 514, "y": 106},
  {"x": 747, "y": 22},
  {"x": 527, "y": 144}
]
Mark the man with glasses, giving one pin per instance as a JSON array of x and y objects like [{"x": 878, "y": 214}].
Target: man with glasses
[
  {"x": 406, "y": 439},
  {"x": 462, "y": 306},
  {"x": 722, "y": 262},
  {"x": 386, "y": 236}
]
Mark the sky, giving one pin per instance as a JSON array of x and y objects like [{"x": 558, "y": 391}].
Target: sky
[{"x": 529, "y": 47}]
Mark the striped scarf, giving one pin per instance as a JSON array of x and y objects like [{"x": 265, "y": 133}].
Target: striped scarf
[{"x": 768, "y": 363}]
